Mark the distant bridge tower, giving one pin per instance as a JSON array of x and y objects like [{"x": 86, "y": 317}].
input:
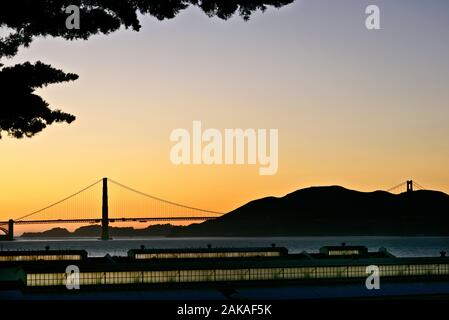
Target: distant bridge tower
[
  {"x": 409, "y": 186},
  {"x": 105, "y": 212},
  {"x": 10, "y": 230}
]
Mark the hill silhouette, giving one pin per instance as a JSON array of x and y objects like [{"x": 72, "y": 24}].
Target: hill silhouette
[
  {"x": 334, "y": 211},
  {"x": 95, "y": 231}
]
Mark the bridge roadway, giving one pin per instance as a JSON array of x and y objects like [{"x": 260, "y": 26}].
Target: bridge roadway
[{"x": 110, "y": 220}]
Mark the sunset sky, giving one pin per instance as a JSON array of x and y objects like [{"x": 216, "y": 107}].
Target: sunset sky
[{"x": 358, "y": 108}]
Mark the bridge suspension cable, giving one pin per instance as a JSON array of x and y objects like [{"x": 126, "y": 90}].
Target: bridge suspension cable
[
  {"x": 163, "y": 200},
  {"x": 397, "y": 187},
  {"x": 418, "y": 185},
  {"x": 88, "y": 207},
  {"x": 58, "y": 202}
]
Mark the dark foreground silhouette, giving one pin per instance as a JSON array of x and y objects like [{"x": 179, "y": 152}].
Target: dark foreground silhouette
[{"x": 317, "y": 211}]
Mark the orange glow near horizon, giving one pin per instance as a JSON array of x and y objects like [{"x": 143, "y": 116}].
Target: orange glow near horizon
[{"x": 353, "y": 108}]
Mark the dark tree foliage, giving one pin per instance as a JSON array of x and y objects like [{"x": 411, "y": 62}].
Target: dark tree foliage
[{"x": 22, "y": 113}]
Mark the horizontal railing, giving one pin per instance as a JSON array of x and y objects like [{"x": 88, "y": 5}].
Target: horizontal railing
[{"x": 49, "y": 221}]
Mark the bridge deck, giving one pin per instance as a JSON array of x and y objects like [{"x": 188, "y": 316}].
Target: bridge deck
[{"x": 110, "y": 220}]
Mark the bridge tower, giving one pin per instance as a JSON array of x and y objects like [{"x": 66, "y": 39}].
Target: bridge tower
[
  {"x": 10, "y": 230},
  {"x": 105, "y": 212},
  {"x": 409, "y": 186}
]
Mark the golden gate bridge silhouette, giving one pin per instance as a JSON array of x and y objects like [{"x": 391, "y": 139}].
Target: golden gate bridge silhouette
[{"x": 83, "y": 207}]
